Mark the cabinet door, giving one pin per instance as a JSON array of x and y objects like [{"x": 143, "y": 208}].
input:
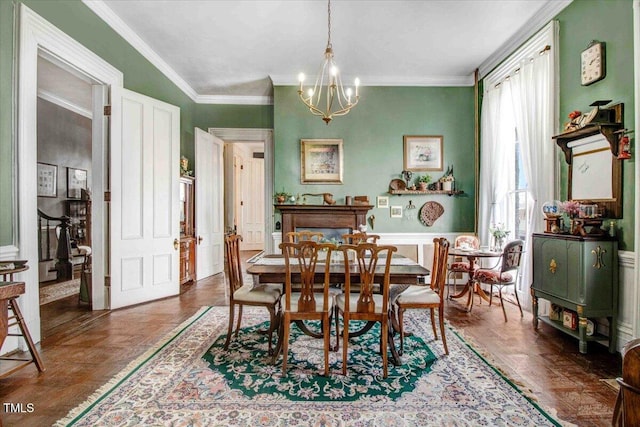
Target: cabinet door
[
  {"x": 550, "y": 268},
  {"x": 599, "y": 263}
]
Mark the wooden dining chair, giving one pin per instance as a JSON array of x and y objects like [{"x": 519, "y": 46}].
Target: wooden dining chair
[
  {"x": 626, "y": 411},
  {"x": 241, "y": 294},
  {"x": 299, "y": 236},
  {"x": 429, "y": 297},
  {"x": 505, "y": 275},
  {"x": 359, "y": 237},
  {"x": 306, "y": 303},
  {"x": 366, "y": 304},
  {"x": 459, "y": 266}
]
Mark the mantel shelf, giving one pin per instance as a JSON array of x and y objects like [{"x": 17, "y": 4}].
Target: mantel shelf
[
  {"x": 606, "y": 129},
  {"x": 425, "y": 192}
]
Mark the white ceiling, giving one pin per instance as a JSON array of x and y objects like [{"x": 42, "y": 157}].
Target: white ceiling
[{"x": 227, "y": 48}]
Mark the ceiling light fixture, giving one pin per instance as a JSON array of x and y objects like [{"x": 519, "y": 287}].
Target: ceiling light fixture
[{"x": 328, "y": 92}]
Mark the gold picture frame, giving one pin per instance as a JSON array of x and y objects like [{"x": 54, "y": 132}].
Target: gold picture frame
[
  {"x": 423, "y": 153},
  {"x": 321, "y": 161}
]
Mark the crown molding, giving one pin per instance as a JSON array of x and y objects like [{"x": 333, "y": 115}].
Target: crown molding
[
  {"x": 64, "y": 103},
  {"x": 119, "y": 26},
  {"x": 546, "y": 14},
  {"x": 446, "y": 81},
  {"x": 234, "y": 99}
]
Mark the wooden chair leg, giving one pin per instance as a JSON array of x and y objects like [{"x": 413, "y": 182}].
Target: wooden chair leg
[
  {"x": 272, "y": 325},
  {"x": 326, "y": 327},
  {"x": 401, "y": 329},
  {"x": 239, "y": 319},
  {"x": 230, "y": 329},
  {"x": 383, "y": 332},
  {"x": 35, "y": 356},
  {"x": 285, "y": 345},
  {"x": 444, "y": 337},
  {"x": 345, "y": 343},
  {"x": 335, "y": 314},
  {"x": 433, "y": 323}
]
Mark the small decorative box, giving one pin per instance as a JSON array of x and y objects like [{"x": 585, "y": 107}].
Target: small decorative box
[
  {"x": 570, "y": 319},
  {"x": 555, "y": 312}
]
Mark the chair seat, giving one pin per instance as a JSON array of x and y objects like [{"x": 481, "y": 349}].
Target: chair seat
[
  {"x": 353, "y": 302},
  {"x": 295, "y": 296},
  {"x": 418, "y": 295},
  {"x": 461, "y": 266},
  {"x": 260, "y": 294},
  {"x": 492, "y": 276}
]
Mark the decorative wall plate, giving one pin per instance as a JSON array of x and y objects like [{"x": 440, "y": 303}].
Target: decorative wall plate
[
  {"x": 397, "y": 184},
  {"x": 430, "y": 212}
]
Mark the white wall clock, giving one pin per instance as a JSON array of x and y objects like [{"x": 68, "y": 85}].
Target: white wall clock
[{"x": 592, "y": 63}]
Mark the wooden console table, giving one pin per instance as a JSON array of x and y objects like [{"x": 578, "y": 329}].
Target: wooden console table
[{"x": 9, "y": 293}]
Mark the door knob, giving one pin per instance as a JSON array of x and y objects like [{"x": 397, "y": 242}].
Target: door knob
[
  {"x": 176, "y": 244},
  {"x": 199, "y": 239}
]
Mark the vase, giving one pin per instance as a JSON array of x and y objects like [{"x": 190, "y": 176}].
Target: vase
[
  {"x": 498, "y": 244},
  {"x": 447, "y": 186}
]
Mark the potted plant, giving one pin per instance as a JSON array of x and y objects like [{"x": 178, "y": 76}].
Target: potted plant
[
  {"x": 281, "y": 196},
  {"x": 447, "y": 182},
  {"x": 422, "y": 182}
]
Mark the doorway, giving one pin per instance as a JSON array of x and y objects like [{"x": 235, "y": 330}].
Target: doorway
[
  {"x": 257, "y": 145},
  {"x": 64, "y": 154}
]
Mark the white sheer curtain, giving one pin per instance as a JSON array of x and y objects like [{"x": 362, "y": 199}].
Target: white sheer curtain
[
  {"x": 519, "y": 106},
  {"x": 497, "y": 127},
  {"x": 532, "y": 100}
]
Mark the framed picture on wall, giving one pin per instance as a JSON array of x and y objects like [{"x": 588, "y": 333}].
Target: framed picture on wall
[
  {"x": 423, "y": 153},
  {"x": 76, "y": 182},
  {"x": 383, "y": 201},
  {"x": 321, "y": 161},
  {"x": 47, "y": 180},
  {"x": 396, "y": 211}
]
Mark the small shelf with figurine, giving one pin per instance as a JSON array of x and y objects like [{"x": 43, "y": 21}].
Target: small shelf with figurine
[{"x": 423, "y": 185}]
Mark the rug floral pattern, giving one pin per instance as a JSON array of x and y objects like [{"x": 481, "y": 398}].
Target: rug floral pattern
[
  {"x": 172, "y": 384},
  {"x": 246, "y": 369}
]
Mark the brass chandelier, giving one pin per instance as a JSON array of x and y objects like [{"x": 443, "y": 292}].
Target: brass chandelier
[{"x": 327, "y": 92}]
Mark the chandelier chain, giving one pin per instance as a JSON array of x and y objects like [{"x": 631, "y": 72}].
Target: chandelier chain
[{"x": 329, "y": 23}]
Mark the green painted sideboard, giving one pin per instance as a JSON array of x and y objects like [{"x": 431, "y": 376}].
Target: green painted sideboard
[{"x": 580, "y": 274}]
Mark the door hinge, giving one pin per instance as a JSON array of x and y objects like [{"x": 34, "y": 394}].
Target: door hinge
[
  {"x": 107, "y": 196},
  {"x": 241, "y": 203},
  {"x": 107, "y": 281},
  {"x": 241, "y": 167},
  {"x": 107, "y": 110}
]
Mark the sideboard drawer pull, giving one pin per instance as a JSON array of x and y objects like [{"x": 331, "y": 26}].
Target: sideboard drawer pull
[
  {"x": 553, "y": 266},
  {"x": 599, "y": 252}
]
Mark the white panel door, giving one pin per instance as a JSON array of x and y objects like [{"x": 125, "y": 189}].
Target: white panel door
[
  {"x": 253, "y": 204},
  {"x": 209, "y": 202},
  {"x": 144, "y": 209}
]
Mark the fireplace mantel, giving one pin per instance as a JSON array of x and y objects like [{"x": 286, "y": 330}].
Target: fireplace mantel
[{"x": 322, "y": 216}]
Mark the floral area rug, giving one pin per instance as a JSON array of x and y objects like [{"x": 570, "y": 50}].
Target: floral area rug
[
  {"x": 246, "y": 369},
  {"x": 58, "y": 291},
  {"x": 174, "y": 383}
]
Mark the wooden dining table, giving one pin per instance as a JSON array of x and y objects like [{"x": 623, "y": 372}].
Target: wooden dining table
[
  {"x": 470, "y": 287},
  {"x": 403, "y": 272}
]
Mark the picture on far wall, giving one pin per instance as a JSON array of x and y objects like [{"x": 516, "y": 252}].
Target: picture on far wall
[
  {"x": 321, "y": 161},
  {"x": 383, "y": 201},
  {"x": 423, "y": 153},
  {"x": 396, "y": 211},
  {"x": 76, "y": 182},
  {"x": 47, "y": 180}
]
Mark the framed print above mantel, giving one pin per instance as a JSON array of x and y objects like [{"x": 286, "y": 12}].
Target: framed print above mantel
[
  {"x": 47, "y": 180},
  {"x": 423, "y": 153},
  {"x": 321, "y": 161}
]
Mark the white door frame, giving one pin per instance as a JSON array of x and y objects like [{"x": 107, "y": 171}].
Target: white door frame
[
  {"x": 257, "y": 135},
  {"x": 36, "y": 35}
]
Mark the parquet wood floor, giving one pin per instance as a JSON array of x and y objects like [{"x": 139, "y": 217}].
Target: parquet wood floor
[{"x": 83, "y": 350}]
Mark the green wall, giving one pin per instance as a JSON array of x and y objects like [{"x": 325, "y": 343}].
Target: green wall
[
  {"x": 79, "y": 22},
  {"x": 6, "y": 123},
  {"x": 610, "y": 21},
  {"x": 372, "y": 135}
]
